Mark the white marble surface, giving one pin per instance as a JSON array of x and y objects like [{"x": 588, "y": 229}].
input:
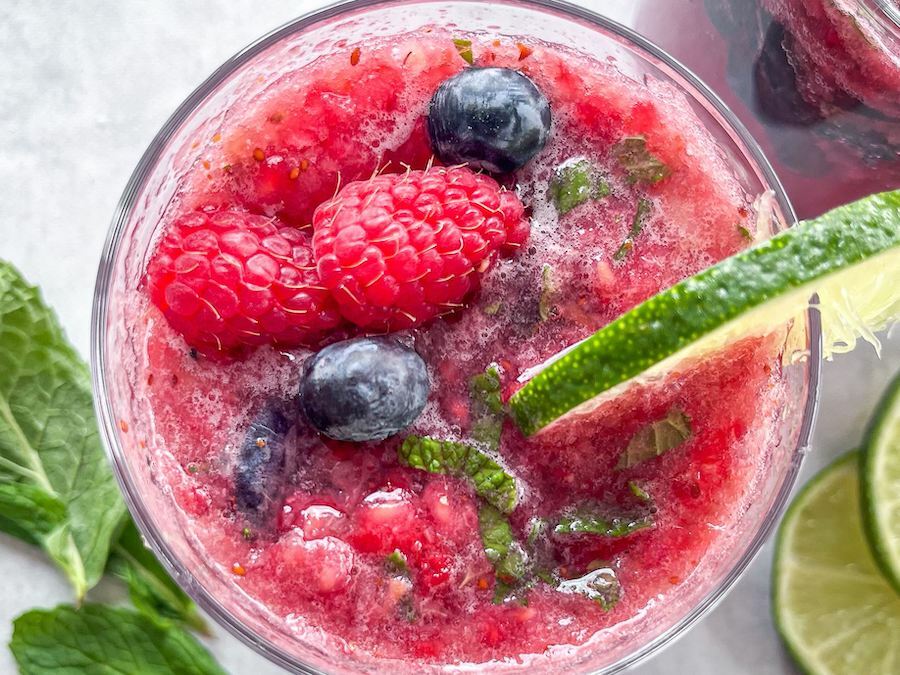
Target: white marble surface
[{"x": 84, "y": 85}]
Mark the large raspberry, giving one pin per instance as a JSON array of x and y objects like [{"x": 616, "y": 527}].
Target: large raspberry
[
  {"x": 400, "y": 249},
  {"x": 229, "y": 279}
]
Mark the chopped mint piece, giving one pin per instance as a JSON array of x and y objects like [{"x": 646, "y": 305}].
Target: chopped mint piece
[
  {"x": 464, "y": 47},
  {"x": 247, "y": 533},
  {"x": 490, "y": 480},
  {"x": 638, "y": 491},
  {"x": 487, "y": 407},
  {"x": 547, "y": 577},
  {"x": 575, "y": 182},
  {"x": 588, "y": 521},
  {"x": 656, "y": 439},
  {"x": 500, "y": 546},
  {"x": 644, "y": 207},
  {"x": 102, "y": 639},
  {"x": 548, "y": 293},
  {"x": 51, "y": 457},
  {"x": 601, "y": 586},
  {"x": 640, "y": 165},
  {"x": 493, "y": 308},
  {"x": 745, "y": 233},
  {"x": 396, "y": 562},
  {"x": 537, "y": 527}
]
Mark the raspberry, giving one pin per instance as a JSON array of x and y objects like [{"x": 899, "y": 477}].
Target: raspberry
[
  {"x": 398, "y": 250},
  {"x": 228, "y": 280}
]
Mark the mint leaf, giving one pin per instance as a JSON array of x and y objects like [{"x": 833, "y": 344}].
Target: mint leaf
[
  {"x": 152, "y": 591},
  {"x": 548, "y": 293},
  {"x": 601, "y": 585},
  {"x": 396, "y": 562},
  {"x": 464, "y": 47},
  {"x": 30, "y": 513},
  {"x": 656, "y": 439},
  {"x": 644, "y": 207},
  {"x": 590, "y": 521},
  {"x": 640, "y": 165},
  {"x": 500, "y": 546},
  {"x": 50, "y": 450},
  {"x": 638, "y": 491},
  {"x": 106, "y": 641},
  {"x": 489, "y": 479},
  {"x": 574, "y": 182},
  {"x": 487, "y": 407}
]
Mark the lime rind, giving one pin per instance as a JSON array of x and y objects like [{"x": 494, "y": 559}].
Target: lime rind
[
  {"x": 880, "y": 484},
  {"x": 833, "y": 609},
  {"x": 751, "y": 292}
]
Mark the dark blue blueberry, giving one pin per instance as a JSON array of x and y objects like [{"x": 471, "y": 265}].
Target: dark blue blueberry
[
  {"x": 364, "y": 389},
  {"x": 261, "y": 464},
  {"x": 490, "y": 118}
]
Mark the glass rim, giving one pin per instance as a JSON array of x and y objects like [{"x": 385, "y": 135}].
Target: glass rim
[{"x": 693, "y": 86}]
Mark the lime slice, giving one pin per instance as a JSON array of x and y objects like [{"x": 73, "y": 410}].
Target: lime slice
[
  {"x": 848, "y": 256},
  {"x": 881, "y": 484},
  {"x": 834, "y": 610}
]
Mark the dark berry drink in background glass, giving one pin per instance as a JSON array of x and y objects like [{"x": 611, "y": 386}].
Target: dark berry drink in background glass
[{"x": 818, "y": 84}]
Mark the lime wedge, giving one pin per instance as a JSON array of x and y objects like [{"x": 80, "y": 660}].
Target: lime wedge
[
  {"x": 881, "y": 484},
  {"x": 834, "y": 610},
  {"x": 849, "y": 256}
]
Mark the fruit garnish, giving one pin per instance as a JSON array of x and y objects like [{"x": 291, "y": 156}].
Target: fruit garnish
[
  {"x": 500, "y": 546},
  {"x": 656, "y": 439},
  {"x": 880, "y": 476},
  {"x": 575, "y": 182},
  {"x": 587, "y": 520},
  {"x": 260, "y": 468},
  {"x": 489, "y": 118},
  {"x": 489, "y": 480},
  {"x": 834, "y": 610},
  {"x": 849, "y": 256},
  {"x": 601, "y": 585},
  {"x": 640, "y": 165},
  {"x": 487, "y": 407},
  {"x": 644, "y": 209},
  {"x": 364, "y": 389},
  {"x": 400, "y": 249},
  {"x": 228, "y": 280}
]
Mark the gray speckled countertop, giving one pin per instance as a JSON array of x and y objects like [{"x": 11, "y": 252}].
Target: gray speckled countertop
[{"x": 83, "y": 88}]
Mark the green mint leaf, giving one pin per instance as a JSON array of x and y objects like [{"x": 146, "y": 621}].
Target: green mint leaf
[
  {"x": 601, "y": 586},
  {"x": 31, "y": 514},
  {"x": 639, "y": 492},
  {"x": 536, "y": 528},
  {"x": 493, "y": 308},
  {"x": 745, "y": 233},
  {"x": 548, "y": 293},
  {"x": 500, "y": 546},
  {"x": 656, "y": 439},
  {"x": 487, "y": 407},
  {"x": 590, "y": 521},
  {"x": 396, "y": 563},
  {"x": 49, "y": 442},
  {"x": 640, "y": 165},
  {"x": 574, "y": 182},
  {"x": 644, "y": 208},
  {"x": 464, "y": 47},
  {"x": 152, "y": 591},
  {"x": 489, "y": 479},
  {"x": 102, "y": 639}
]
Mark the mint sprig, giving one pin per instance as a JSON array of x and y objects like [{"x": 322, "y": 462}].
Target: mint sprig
[
  {"x": 103, "y": 639},
  {"x": 644, "y": 208},
  {"x": 50, "y": 451},
  {"x": 487, "y": 407},
  {"x": 489, "y": 480},
  {"x": 588, "y": 521},
  {"x": 575, "y": 182},
  {"x": 504, "y": 552}
]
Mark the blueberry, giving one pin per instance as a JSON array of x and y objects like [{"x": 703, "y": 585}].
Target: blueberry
[
  {"x": 364, "y": 389},
  {"x": 261, "y": 464},
  {"x": 490, "y": 118}
]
